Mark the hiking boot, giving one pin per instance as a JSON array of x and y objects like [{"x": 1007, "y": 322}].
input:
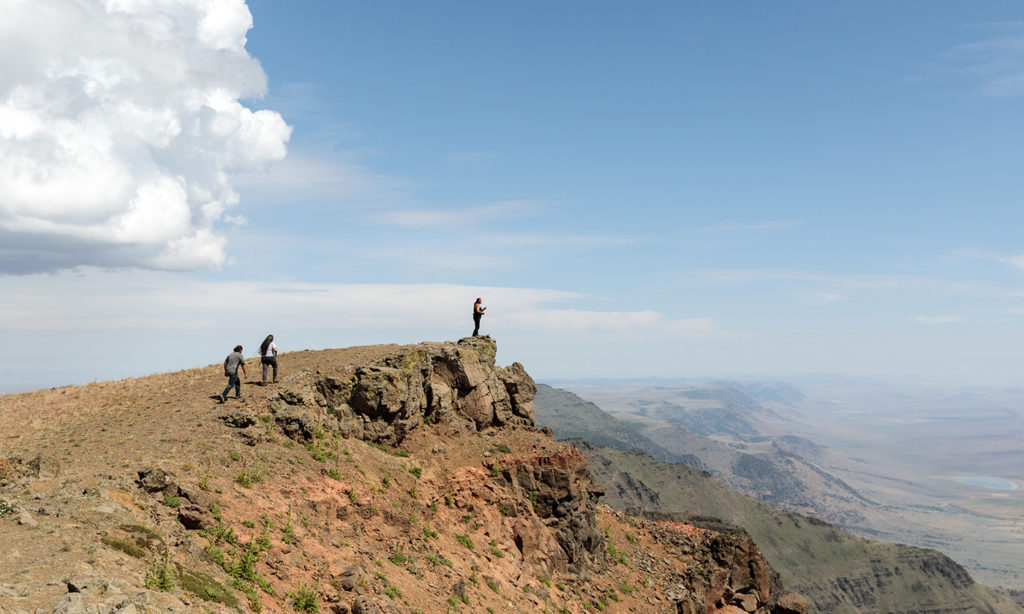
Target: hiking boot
[{"x": 221, "y": 398}]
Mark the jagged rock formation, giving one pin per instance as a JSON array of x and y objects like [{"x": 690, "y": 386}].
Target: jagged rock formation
[
  {"x": 145, "y": 495},
  {"x": 436, "y": 382}
]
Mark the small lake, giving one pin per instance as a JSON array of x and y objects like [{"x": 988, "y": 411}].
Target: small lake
[{"x": 988, "y": 482}]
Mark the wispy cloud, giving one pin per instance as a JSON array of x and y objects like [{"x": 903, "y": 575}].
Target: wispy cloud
[
  {"x": 153, "y": 301},
  {"x": 975, "y": 253},
  {"x": 440, "y": 257},
  {"x": 938, "y": 319},
  {"x": 995, "y": 63},
  {"x": 856, "y": 282},
  {"x": 554, "y": 240},
  {"x": 308, "y": 175},
  {"x": 760, "y": 226},
  {"x": 424, "y": 217},
  {"x": 831, "y": 297},
  {"x": 472, "y": 158}
]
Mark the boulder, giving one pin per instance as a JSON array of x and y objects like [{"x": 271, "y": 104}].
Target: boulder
[
  {"x": 365, "y": 605},
  {"x": 239, "y": 419},
  {"x": 792, "y": 603},
  {"x": 154, "y": 479}
]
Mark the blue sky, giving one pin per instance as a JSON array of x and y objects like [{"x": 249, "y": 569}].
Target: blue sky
[{"x": 663, "y": 188}]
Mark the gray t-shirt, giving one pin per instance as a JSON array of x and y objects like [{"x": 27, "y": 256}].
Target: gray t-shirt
[{"x": 231, "y": 363}]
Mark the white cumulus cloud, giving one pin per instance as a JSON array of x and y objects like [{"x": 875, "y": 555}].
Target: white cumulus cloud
[{"x": 121, "y": 129}]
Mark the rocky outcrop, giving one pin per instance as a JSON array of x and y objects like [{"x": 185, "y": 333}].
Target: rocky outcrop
[
  {"x": 455, "y": 383},
  {"x": 727, "y": 572},
  {"x": 459, "y": 503},
  {"x": 563, "y": 495}
]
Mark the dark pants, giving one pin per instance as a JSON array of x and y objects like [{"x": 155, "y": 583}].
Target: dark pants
[
  {"x": 233, "y": 382},
  {"x": 476, "y": 323},
  {"x": 269, "y": 361}
]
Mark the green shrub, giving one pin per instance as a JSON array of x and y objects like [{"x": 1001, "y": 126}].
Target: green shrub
[
  {"x": 160, "y": 575},
  {"x": 249, "y": 476},
  {"x": 428, "y": 533},
  {"x": 305, "y": 599},
  {"x": 465, "y": 540},
  {"x": 495, "y": 550},
  {"x": 398, "y": 557}
]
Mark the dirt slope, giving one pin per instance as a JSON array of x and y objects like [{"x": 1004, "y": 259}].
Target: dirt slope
[{"x": 370, "y": 479}]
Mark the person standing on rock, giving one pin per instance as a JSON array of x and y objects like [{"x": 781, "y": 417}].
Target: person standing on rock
[
  {"x": 268, "y": 357},
  {"x": 478, "y": 312},
  {"x": 231, "y": 364}
]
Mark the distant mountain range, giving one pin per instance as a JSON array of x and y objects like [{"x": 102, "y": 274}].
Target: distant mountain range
[{"x": 664, "y": 470}]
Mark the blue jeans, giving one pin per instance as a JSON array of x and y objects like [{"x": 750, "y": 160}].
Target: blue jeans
[{"x": 236, "y": 383}]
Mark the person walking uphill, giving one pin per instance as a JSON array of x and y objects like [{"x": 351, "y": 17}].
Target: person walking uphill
[
  {"x": 268, "y": 357},
  {"x": 478, "y": 312},
  {"x": 231, "y": 364}
]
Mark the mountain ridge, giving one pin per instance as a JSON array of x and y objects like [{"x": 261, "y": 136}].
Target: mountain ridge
[{"x": 371, "y": 479}]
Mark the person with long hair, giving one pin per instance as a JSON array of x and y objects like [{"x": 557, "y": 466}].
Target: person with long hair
[
  {"x": 478, "y": 312},
  {"x": 268, "y": 357}
]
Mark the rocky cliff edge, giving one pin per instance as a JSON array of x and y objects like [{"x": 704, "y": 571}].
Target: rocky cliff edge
[{"x": 371, "y": 479}]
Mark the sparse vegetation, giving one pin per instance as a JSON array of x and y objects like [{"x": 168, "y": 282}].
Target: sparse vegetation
[
  {"x": 495, "y": 550},
  {"x": 464, "y": 539},
  {"x": 125, "y": 546},
  {"x": 304, "y": 598},
  {"x": 615, "y": 555},
  {"x": 249, "y": 476},
  {"x": 398, "y": 557},
  {"x": 320, "y": 454},
  {"x": 205, "y": 587},
  {"x": 160, "y": 575}
]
